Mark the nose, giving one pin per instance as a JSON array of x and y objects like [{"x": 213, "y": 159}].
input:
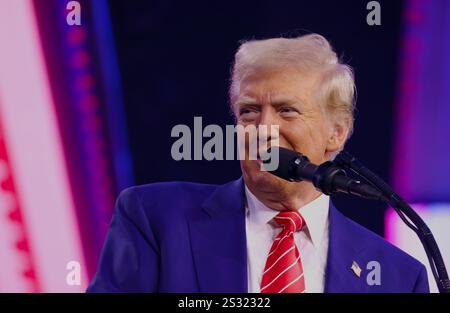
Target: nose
[
  {"x": 267, "y": 117},
  {"x": 268, "y": 128}
]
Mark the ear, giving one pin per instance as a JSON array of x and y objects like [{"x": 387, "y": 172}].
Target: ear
[{"x": 339, "y": 131}]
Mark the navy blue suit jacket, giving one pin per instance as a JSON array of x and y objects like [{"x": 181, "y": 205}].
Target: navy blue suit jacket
[{"x": 187, "y": 237}]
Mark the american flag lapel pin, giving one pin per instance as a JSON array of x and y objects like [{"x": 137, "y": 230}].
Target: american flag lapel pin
[{"x": 356, "y": 269}]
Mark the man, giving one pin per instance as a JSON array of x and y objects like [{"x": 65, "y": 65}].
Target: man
[{"x": 259, "y": 233}]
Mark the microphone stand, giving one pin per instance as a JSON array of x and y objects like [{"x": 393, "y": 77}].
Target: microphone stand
[{"x": 406, "y": 213}]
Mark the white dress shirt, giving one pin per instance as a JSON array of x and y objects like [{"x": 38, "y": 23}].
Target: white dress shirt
[{"x": 311, "y": 241}]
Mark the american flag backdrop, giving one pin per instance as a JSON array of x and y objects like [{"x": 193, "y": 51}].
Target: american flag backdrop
[{"x": 63, "y": 149}]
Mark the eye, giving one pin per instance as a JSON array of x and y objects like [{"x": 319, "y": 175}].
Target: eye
[
  {"x": 248, "y": 114},
  {"x": 288, "y": 111}
]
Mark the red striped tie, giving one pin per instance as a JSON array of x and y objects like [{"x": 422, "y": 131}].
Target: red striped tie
[{"x": 283, "y": 271}]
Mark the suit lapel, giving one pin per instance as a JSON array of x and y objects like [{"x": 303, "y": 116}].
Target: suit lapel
[
  {"x": 218, "y": 240},
  {"x": 345, "y": 247},
  {"x": 219, "y": 247}
]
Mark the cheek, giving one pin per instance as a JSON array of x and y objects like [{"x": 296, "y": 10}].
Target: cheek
[
  {"x": 296, "y": 134},
  {"x": 306, "y": 137}
]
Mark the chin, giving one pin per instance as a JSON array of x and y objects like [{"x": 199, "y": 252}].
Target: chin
[{"x": 266, "y": 182}]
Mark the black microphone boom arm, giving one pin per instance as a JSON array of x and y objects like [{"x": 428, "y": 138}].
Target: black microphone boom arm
[{"x": 331, "y": 177}]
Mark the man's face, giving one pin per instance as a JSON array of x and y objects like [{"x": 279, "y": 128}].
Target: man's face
[{"x": 285, "y": 98}]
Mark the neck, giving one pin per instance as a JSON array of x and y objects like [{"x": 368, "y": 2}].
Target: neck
[{"x": 289, "y": 197}]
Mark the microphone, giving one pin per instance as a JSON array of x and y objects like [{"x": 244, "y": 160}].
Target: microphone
[{"x": 327, "y": 177}]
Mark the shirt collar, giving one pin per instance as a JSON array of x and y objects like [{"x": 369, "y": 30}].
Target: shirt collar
[{"x": 315, "y": 214}]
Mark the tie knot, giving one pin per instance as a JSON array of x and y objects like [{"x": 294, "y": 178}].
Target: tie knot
[{"x": 291, "y": 221}]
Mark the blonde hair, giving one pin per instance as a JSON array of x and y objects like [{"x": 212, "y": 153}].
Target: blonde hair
[{"x": 308, "y": 53}]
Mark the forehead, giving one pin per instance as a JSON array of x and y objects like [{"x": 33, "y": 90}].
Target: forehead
[{"x": 278, "y": 83}]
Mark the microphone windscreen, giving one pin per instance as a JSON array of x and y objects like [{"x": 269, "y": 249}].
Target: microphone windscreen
[{"x": 286, "y": 159}]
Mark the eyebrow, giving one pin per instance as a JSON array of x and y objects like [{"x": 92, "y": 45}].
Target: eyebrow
[
  {"x": 275, "y": 101},
  {"x": 246, "y": 101},
  {"x": 283, "y": 100}
]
